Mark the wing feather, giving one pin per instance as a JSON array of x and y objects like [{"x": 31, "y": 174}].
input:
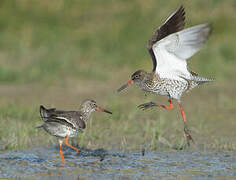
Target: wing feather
[
  {"x": 71, "y": 118},
  {"x": 173, "y": 51},
  {"x": 189, "y": 41},
  {"x": 174, "y": 23}
]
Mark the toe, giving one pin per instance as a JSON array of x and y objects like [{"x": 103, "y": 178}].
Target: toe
[{"x": 141, "y": 106}]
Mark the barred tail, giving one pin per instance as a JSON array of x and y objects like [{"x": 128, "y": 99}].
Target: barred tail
[
  {"x": 201, "y": 80},
  {"x": 198, "y": 81}
]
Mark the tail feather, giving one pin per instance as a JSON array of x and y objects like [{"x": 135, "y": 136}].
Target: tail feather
[
  {"x": 201, "y": 80},
  {"x": 43, "y": 112},
  {"x": 198, "y": 81}
]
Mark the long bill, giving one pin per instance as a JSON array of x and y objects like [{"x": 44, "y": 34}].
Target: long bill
[
  {"x": 103, "y": 110},
  {"x": 125, "y": 85}
]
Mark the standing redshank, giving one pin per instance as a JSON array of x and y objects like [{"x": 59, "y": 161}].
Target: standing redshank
[
  {"x": 170, "y": 47},
  {"x": 66, "y": 124}
]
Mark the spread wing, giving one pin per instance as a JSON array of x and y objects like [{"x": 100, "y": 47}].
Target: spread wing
[
  {"x": 173, "y": 51},
  {"x": 171, "y": 46},
  {"x": 174, "y": 23}
]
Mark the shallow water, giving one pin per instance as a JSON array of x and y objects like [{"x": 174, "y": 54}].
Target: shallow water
[{"x": 100, "y": 164}]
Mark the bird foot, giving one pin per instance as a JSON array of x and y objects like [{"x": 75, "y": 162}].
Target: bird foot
[
  {"x": 188, "y": 136},
  {"x": 147, "y": 105}
]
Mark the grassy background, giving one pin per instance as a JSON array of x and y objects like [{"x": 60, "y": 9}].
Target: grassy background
[{"x": 60, "y": 52}]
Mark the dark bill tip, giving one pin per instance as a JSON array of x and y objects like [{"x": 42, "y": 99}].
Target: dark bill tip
[
  {"x": 122, "y": 87},
  {"x": 106, "y": 111},
  {"x": 125, "y": 85},
  {"x": 103, "y": 110}
]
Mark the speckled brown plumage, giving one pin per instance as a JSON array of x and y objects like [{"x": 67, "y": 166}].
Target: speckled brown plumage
[{"x": 65, "y": 124}]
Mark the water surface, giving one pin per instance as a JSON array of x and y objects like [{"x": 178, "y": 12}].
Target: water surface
[{"x": 100, "y": 164}]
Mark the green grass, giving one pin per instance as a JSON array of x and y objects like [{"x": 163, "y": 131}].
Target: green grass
[{"x": 60, "y": 52}]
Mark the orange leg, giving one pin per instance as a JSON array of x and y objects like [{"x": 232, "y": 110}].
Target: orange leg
[
  {"x": 66, "y": 143},
  {"x": 168, "y": 107},
  {"x": 186, "y": 131},
  {"x": 182, "y": 112},
  {"x": 61, "y": 152}
]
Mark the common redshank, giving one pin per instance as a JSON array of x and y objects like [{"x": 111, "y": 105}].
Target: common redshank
[
  {"x": 170, "y": 47},
  {"x": 66, "y": 124}
]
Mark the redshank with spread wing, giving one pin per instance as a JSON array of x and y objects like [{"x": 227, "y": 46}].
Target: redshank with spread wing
[{"x": 170, "y": 47}]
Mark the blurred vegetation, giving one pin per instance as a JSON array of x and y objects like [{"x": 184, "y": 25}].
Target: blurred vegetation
[{"x": 59, "y": 52}]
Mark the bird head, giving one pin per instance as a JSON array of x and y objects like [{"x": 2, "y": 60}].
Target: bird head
[
  {"x": 91, "y": 105},
  {"x": 137, "y": 78}
]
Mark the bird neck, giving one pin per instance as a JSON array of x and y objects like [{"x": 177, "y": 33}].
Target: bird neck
[
  {"x": 86, "y": 112},
  {"x": 149, "y": 81},
  {"x": 147, "y": 77},
  {"x": 150, "y": 75}
]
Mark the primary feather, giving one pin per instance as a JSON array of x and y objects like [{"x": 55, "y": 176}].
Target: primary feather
[{"x": 174, "y": 23}]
